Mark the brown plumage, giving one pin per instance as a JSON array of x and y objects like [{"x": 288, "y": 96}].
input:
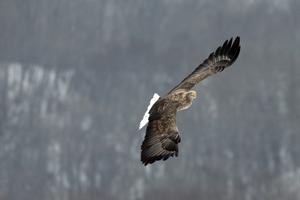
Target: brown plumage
[{"x": 162, "y": 135}]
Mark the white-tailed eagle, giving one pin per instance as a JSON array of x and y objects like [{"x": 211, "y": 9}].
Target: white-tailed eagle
[{"x": 162, "y": 135}]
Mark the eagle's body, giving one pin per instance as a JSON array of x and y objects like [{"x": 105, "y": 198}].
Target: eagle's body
[{"x": 162, "y": 135}]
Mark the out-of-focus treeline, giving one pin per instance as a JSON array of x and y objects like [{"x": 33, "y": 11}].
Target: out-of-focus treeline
[{"x": 76, "y": 77}]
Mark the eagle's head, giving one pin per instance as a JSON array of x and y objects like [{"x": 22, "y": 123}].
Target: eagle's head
[
  {"x": 192, "y": 95},
  {"x": 186, "y": 99}
]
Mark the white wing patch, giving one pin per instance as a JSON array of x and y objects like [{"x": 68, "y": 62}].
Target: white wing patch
[{"x": 146, "y": 115}]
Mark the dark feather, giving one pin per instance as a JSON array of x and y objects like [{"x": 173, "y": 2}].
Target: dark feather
[
  {"x": 161, "y": 139},
  {"x": 217, "y": 61}
]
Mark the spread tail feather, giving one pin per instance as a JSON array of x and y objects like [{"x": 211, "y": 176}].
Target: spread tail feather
[{"x": 146, "y": 115}]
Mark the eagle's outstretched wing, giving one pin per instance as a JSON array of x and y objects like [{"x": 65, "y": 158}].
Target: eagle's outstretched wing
[
  {"x": 217, "y": 61},
  {"x": 162, "y": 137}
]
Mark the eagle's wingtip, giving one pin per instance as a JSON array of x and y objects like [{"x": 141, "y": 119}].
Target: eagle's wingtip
[{"x": 237, "y": 39}]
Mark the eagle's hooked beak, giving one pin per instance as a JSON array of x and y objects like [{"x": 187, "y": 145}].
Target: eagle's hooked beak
[{"x": 193, "y": 94}]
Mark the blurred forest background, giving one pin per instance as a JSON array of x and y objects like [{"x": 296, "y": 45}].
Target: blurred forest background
[{"x": 76, "y": 77}]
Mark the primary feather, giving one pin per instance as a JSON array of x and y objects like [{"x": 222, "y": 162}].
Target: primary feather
[{"x": 217, "y": 61}]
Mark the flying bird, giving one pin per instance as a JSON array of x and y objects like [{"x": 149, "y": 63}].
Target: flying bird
[{"x": 162, "y": 135}]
